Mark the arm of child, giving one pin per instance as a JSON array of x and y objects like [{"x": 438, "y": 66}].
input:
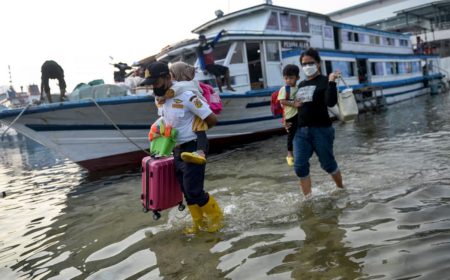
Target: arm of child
[
  {"x": 292, "y": 103},
  {"x": 201, "y": 109}
]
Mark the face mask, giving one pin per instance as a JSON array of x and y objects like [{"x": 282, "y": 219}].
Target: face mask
[
  {"x": 162, "y": 92},
  {"x": 310, "y": 69},
  {"x": 159, "y": 91}
]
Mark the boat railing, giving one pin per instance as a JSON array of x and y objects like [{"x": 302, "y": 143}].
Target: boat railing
[
  {"x": 370, "y": 98},
  {"x": 441, "y": 69},
  {"x": 444, "y": 86}
]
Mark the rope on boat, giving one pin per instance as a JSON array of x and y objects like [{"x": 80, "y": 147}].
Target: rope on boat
[
  {"x": 18, "y": 116},
  {"x": 118, "y": 129}
]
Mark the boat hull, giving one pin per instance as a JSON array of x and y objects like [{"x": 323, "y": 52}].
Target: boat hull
[
  {"x": 112, "y": 133},
  {"x": 89, "y": 136}
]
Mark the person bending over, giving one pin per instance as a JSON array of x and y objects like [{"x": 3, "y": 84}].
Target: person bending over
[{"x": 52, "y": 70}]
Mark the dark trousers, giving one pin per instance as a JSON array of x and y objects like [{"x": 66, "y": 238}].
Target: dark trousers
[
  {"x": 291, "y": 132},
  {"x": 46, "y": 87},
  {"x": 51, "y": 70},
  {"x": 202, "y": 141},
  {"x": 190, "y": 176}
]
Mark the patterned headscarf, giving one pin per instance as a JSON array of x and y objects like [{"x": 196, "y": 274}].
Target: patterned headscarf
[{"x": 181, "y": 71}]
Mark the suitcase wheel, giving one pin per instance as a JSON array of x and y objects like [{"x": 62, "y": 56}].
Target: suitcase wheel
[
  {"x": 145, "y": 210},
  {"x": 156, "y": 216},
  {"x": 181, "y": 207}
]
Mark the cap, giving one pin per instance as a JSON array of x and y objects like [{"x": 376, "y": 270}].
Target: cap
[
  {"x": 153, "y": 72},
  {"x": 201, "y": 37}
]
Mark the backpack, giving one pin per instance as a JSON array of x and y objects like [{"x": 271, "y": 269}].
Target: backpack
[
  {"x": 212, "y": 98},
  {"x": 275, "y": 105}
]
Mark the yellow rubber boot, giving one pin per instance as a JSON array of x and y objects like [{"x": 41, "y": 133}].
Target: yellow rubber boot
[
  {"x": 213, "y": 214},
  {"x": 197, "y": 219}
]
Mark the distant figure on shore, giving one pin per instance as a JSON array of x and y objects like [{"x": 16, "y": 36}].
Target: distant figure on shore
[
  {"x": 119, "y": 76},
  {"x": 51, "y": 70},
  {"x": 206, "y": 58}
]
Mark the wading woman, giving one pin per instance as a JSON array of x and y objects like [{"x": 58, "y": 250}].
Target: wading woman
[{"x": 315, "y": 134}]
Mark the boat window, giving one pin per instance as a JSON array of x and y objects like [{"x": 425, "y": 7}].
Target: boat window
[
  {"x": 273, "y": 22},
  {"x": 362, "y": 38},
  {"x": 289, "y": 22},
  {"x": 304, "y": 24},
  {"x": 416, "y": 67},
  {"x": 403, "y": 42},
  {"x": 190, "y": 58},
  {"x": 374, "y": 40},
  {"x": 377, "y": 68},
  {"x": 272, "y": 51},
  {"x": 405, "y": 67},
  {"x": 316, "y": 29},
  {"x": 237, "y": 54},
  {"x": 347, "y": 68},
  {"x": 388, "y": 41},
  {"x": 221, "y": 50},
  {"x": 175, "y": 59},
  {"x": 348, "y": 36},
  {"x": 328, "y": 32},
  {"x": 294, "y": 23},
  {"x": 345, "y": 36},
  {"x": 391, "y": 68}
]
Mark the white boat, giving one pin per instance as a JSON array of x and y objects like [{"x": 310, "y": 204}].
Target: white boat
[{"x": 259, "y": 41}]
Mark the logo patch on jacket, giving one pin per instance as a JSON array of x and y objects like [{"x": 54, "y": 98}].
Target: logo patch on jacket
[
  {"x": 176, "y": 100},
  {"x": 177, "y": 105},
  {"x": 198, "y": 103},
  {"x": 170, "y": 93}
]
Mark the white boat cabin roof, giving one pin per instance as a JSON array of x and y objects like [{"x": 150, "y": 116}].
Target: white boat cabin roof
[
  {"x": 270, "y": 22},
  {"x": 253, "y": 19}
]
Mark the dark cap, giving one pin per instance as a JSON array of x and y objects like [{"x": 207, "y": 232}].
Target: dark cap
[
  {"x": 201, "y": 37},
  {"x": 153, "y": 72}
]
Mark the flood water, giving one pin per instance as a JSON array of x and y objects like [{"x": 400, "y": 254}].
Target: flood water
[{"x": 392, "y": 222}]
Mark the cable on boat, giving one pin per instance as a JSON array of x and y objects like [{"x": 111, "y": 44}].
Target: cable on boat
[
  {"x": 118, "y": 129},
  {"x": 18, "y": 116}
]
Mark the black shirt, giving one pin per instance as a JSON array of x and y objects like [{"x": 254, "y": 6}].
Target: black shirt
[
  {"x": 51, "y": 69},
  {"x": 324, "y": 95}
]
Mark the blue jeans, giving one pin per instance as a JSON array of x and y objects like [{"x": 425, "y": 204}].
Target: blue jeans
[{"x": 314, "y": 139}]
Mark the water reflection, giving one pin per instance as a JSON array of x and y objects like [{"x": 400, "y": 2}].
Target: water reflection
[
  {"x": 324, "y": 253},
  {"x": 402, "y": 233},
  {"x": 20, "y": 151}
]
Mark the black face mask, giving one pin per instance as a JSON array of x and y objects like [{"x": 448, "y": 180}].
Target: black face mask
[{"x": 159, "y": 91}]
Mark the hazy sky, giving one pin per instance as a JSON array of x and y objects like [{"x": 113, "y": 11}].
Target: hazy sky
[{"x": 81, "y": 35}]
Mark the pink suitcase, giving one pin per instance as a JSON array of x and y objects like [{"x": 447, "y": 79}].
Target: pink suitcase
[{"x": 160, "y": 188}]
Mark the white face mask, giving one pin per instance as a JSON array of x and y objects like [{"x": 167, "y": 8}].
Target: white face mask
[{"x": 310, "y": 69}]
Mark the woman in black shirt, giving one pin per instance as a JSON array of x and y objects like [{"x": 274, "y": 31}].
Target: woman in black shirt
[{"x": 315, "y": 132}]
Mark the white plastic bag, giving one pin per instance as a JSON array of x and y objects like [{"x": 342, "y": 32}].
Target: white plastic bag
[{"x": 348, "y": 109}]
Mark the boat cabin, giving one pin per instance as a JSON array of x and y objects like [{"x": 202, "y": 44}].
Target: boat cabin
[{"x": 259, "y": 41}]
